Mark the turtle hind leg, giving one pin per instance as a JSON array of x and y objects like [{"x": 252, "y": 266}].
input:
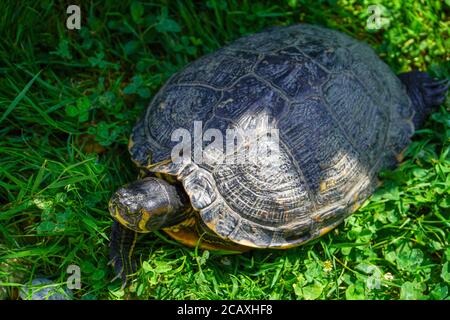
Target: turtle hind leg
[
  {"x": 425, "y": 92},
  {"x": 121, "y": 249}
]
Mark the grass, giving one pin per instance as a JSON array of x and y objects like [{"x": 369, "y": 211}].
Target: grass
[{"x": 69, "y": 99}]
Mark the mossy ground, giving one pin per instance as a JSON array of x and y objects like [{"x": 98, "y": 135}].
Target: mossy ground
[{"x": 69, "y": 99}]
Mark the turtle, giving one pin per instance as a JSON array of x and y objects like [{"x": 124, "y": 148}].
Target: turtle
[{"x": 336, "y": 116}]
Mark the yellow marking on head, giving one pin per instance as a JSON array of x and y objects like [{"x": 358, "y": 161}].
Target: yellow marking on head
[
  {"x": 143, "y": 222},
  {"x": 119, "y": 218}
]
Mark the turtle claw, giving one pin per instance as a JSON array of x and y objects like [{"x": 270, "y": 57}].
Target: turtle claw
[
  {"x": 436, "y": 82},
  {"x": 434, "y": 91},
  {"x": 121, "y": 248},
  {"x": 119, "y": 273},
  {"x": 122, "y": 269}
]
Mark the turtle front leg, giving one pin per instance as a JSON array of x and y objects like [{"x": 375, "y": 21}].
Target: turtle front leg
[{"x": 121, "y": 248}]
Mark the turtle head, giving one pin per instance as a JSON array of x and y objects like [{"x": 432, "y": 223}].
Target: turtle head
[{"x": 149, "y": 204}]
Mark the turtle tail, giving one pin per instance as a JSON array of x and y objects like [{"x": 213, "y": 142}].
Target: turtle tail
[{"x": 425, "y": 93}]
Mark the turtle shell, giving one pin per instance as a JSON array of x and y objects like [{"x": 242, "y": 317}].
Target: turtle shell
[{"x": 341, "y": 116}]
